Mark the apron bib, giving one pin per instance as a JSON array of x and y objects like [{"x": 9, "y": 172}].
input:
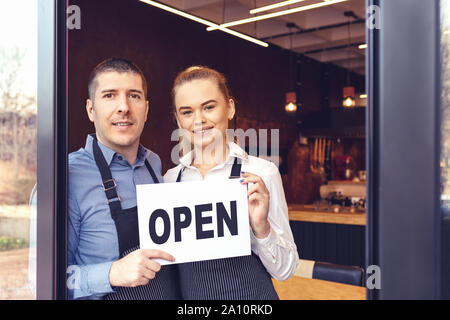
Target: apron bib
[
  {"x": 236, "y": 278},
  {"x": 164, "y": 286}
]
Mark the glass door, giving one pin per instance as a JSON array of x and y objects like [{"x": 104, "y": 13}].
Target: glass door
[
  {"x": 32, "y": 149},
  {"x": 18, "y": 149},
  {"x": 52, "y": 150},
  {"x": 445, "y": 146}
]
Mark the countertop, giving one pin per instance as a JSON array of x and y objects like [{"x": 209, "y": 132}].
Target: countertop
[
  {"x": 308, "y": 213},
  {"x": 298, "y": 288}
]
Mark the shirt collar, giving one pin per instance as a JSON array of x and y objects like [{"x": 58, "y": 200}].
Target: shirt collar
[
  {"x": 142, "y": 155},
  {"x": 234, "y": 151},
  {"x": 109, "y": 153}
]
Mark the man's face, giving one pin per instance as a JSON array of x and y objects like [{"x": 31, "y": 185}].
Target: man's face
[{"x": 119, "y": 109}]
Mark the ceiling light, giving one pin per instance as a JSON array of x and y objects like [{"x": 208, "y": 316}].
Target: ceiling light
[
  {"x": 349, "y": 102},
  {"x": 362, "y": 46},
  {"x": 363, "y": 96},
  {"x": 291, "y": 102},
  {"x": 275, "y": 14},
  {"x": 205, "y": 22},
  {"x": 274, "y": 6},
  {"x": 291, "y": 107}
]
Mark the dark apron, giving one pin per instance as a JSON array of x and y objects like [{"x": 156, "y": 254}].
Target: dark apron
[
  {"x": 236, "y": 278},
  {"x": 164, "y": 286}
]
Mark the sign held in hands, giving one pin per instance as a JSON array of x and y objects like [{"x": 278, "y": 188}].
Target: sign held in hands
[{"x": 194, "y": 221}]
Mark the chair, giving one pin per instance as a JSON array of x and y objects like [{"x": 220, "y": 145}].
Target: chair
[
  {"x": 352, "y": 275},
  {"x": 315, "y": 280}
]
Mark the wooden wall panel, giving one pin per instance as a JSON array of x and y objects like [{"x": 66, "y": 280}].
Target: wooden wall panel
[{"x": 162, "y": 44}]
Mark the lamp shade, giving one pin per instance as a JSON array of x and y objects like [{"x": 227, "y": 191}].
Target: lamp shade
[
  {"x": 349, "y": 97},
  {"x": 291, "y": 102},
  {"x": 349, "y": 92}
]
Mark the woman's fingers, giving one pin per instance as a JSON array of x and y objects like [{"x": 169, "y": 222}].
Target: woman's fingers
[
  {"x": 253, "y": 180},
  {"x": 255, "y": 197},
  {"x": 250, "y": 177},
  {"x": 257, "y": 189},
  {"x": 257, "y": 186},
  {"x": 258, "y": 200}
]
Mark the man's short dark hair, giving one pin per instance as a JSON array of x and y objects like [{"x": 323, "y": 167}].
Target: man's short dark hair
[{"x": 119, "y": 65}]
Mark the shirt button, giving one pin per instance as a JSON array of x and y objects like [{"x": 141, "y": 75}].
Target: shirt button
[{"x": 120, "y": 158}]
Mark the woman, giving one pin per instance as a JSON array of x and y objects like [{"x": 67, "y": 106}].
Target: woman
[{"x": 203, "y": 108}]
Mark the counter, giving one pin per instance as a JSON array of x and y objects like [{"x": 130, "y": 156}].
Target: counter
[
  {"x": 298, "y": 288},
  {"x": 308, "y": 213},
  {"x": 336, "y": 237}
]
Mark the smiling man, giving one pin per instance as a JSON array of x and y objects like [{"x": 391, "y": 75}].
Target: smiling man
[{"x": 104, "y": 259}]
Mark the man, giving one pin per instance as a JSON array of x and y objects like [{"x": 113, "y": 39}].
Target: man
[{"x": 104, "y": 258}]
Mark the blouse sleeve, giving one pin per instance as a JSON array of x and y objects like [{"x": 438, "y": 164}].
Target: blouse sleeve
[{"x": 277, "y": 251}]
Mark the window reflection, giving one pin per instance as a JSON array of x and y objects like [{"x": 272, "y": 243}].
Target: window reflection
[
  {"x": 445, "y": 114},
  {"x": 18, "y": 143}
]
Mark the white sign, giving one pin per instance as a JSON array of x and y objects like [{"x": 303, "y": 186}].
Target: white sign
[{"x": 194, "y": 221}]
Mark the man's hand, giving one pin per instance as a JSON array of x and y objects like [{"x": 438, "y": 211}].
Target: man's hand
[{"x": 137, "y": 268}]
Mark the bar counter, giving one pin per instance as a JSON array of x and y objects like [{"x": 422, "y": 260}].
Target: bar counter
[
  {"x": 308, "y": 213},
  {"x": 298, "y": 288}
]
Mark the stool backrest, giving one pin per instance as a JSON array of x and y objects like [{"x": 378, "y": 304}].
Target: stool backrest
[{"x": 333, "y": 272}]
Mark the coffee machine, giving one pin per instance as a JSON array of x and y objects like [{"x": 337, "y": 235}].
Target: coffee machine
[{"x": 343, "y": 196}]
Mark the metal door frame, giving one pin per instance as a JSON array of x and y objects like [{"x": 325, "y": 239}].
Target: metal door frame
[
  {"x": 403, "y": 147},
  {"x": 51, "y": 245}
]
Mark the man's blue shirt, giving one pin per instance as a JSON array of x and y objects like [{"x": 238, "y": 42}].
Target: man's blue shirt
[{"x": 92, "y": 235}]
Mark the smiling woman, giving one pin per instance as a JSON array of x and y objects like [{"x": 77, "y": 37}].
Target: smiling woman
[{"x": 203, "y": 108}]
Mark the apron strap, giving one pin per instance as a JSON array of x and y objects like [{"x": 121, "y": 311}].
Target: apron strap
[
  {"x": 108, "y": 182},
  {"x": 179, "y": 174},
  {"x": 152, "y": 173},
  {"x": 235, "y": 170}
]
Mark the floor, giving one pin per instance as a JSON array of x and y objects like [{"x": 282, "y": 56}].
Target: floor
[{"x": 14, "y": 282}]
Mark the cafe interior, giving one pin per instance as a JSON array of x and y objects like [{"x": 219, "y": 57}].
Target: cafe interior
[
  {"x": 302, "y": 70},
  {"x": 293, "y": 67}
]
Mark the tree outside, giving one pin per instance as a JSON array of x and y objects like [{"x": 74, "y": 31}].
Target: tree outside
[{"x": 18, "y": 152}]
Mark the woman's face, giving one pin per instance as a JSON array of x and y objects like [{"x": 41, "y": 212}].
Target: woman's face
[{"x": 201, "y": 109}]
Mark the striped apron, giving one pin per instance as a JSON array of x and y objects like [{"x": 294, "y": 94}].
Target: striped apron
[
  {"x": 236, "y": 278},
  {"x": 164, "y": 286}
]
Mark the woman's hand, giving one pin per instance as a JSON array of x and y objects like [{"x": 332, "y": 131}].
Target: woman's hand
[{"x": 258, "y": 204}]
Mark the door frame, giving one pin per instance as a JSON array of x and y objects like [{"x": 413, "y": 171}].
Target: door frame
[
  {"x": 51, "y": 245},
  {"x": 404, "y": 220}
]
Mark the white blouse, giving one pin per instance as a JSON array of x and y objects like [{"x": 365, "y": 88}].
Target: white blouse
[{"x": 277, "y": 251}]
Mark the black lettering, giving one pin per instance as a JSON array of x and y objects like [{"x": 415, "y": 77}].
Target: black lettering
[
  {"x": 159, "y": 213},
  {"x": 200, "y": 221},
  {"x": 178, "y": 224},
  {"x": 230, "y": 220}
]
